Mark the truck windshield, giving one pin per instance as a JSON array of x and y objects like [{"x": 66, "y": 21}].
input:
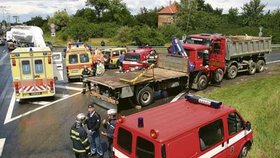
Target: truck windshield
[
  {"x": 190, "y": 40},
  {"x": 125, "y": 139},
  {"x": 144, "y": 148},
  {"x": 132, "y": 57},
  {"x": 84, "y": 58}
]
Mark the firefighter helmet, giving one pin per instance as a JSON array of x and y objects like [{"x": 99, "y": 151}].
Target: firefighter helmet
[{"x": 80, "y": 118}]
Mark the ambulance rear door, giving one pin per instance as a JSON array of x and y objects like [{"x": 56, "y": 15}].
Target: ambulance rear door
[
  {"x": 40, "y": 77},
  {"x": 26, "y": 75},
  {"x": 58, "y": 67}
]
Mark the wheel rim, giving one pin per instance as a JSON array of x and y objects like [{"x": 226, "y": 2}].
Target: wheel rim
[
  {"x": 146, "y": 97},
  {"x": 233, "y": 72},
  {"x": 244, "y": 152},
  {"x": 261, "y": 65},
  {"x": 253, "y": 68},
  {"x": 202, "y": 83}
]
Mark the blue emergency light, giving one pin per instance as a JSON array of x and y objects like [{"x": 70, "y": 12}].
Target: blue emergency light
[
  {"x": 140, "y": 122},
  {"x": 204, "y": 101},
  {"x": 30, "y": 50}
]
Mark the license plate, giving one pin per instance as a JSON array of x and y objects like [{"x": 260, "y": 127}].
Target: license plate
[
  {"x": 74, "y": 71},
  {"x": 35, "y": 93}
]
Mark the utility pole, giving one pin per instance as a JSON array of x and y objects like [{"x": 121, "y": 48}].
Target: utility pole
[{"x": 16, "y": 19}]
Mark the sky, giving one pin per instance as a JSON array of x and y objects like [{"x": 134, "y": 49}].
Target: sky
[{"x": 25, "y": 9}]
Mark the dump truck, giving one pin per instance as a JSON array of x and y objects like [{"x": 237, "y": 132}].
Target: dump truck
[{"x": 227, "y": 55}]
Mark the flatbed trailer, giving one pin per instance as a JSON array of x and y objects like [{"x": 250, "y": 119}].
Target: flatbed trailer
[{"x": 170, "y": 71}]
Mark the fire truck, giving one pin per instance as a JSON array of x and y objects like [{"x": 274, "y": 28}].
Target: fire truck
[
  {"x": 78, "y": 55},
  {"x": 32, "y": 70},
  {"x": 192, "y": 127},
  {"x": 139, "y": 58}
]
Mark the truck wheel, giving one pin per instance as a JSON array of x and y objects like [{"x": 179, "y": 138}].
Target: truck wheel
[
  {"x": 260, "y": 65},
  {"x": 145, "y": 96},
  {"x": 244, "y": 151},
  {"x": 202, "y": 82},
  {"x": 232, "y": 72},
  {"x": 218, "y": 75},
  {"x": 252, "y": 67}
]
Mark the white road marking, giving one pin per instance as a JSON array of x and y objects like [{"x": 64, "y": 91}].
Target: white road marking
[
  {"x": 11, "y": 107},
  {"x": 177, "y": 97},
  {"x": 271, "y": 62},
  {"x": 40, "y": 102},
  {"x": 2, "y": 143},
  {"x": 78, "y": 83},
  {"x": 69, "y": 88},
  {"x": 2, "y": 59}
]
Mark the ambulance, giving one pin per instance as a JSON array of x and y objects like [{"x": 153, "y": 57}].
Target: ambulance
[
  {"x": 194, "y": 127},
  {"x": 78, "y": 55},
  {"x": 32, "y": 71}
]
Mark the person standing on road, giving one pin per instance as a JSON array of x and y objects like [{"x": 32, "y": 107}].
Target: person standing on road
[
  {"x": 109, "y": 125},
  {"x": 93, "y": 124},
  {"x": 85, "y": 75},
  {"x": 121, "y": 60},
  {"x": 79, "y": 137}
]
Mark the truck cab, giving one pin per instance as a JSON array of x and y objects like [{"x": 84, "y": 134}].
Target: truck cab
[
  {"x": 191, "y": 127},
  {"x": 78, "y": 55},
  {"x": 139, "y": 58},
  {"x": 32, "y": 71},
  {"x": 112, "y": 56}
]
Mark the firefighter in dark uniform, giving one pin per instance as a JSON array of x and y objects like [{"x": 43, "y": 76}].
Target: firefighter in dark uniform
[
  {"x": 79, "y": 137},
  {"x": 109, "y": 125},
  {"x": 85, "y": 75}
]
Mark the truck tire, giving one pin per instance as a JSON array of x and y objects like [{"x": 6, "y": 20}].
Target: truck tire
[
  {"x": 202, "y": 82},
  {"x": 244, "y": 151},
  {"x": 252, "y": 67},
  {"x": 145, "y": 96},
  {"x": 232, "y": 72},
  {"x": 260, "y": 65},
  {"x": 218, "y": 75}
]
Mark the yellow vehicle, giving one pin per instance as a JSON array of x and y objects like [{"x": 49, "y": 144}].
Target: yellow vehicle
[
  {"x": 77, "y": 55},
  {"x": 32, "y": 72},
  {"x": 112, "y": 56}
]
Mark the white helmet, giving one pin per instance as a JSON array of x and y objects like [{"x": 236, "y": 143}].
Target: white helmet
[
  {"x": 80, "y": 118},
  {"x": 112, "y": 112}
]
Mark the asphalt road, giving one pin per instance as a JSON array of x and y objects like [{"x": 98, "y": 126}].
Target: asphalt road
[{"x": 40, "y": 127}]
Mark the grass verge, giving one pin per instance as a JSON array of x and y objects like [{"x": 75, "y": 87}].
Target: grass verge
[{"x": 259, "y": 102}]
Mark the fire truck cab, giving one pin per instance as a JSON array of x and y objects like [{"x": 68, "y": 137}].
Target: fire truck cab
[
  {"x": 32, "y": 71},
  {"x": 78, "y": 55},
  {"x": 139, "y": 58},
  {"x": 191, "y": 127}
]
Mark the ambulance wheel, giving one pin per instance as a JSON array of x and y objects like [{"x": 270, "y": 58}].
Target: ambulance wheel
[
  {"x": 244, "y": 151},
  {"x": 252, "y": 67},
  {"x": 218, "y": 76},
  {"x": 260, "y": 65},
  {"x": 145, "y": 96},
  {"x": 232, "y": 72},
  {"x": 202, "y": 82}
]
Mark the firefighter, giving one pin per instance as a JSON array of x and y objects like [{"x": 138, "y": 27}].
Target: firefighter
[
  {"x": 85, "y": 75},
  {"x": 93, "y": 124},
  {"x": 79, "y": 137},
  {"x": 109, "y": 125}
]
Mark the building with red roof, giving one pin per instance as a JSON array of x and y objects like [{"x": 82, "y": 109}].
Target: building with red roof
[{"x": 166, "y": 15}]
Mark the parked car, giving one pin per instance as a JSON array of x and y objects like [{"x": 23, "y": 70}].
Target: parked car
[{"x": 112, "y": 56}]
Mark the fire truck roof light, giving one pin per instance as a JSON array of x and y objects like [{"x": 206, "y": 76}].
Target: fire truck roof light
[
  {"x": 30, "y": 50},
  {"x": 204, "y": 101},
  {"x": 154, "y": 134}
]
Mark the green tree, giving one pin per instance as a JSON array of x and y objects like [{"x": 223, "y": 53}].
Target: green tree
[
  {"x": 99, "y": 6},
  {"x": 252, "y": 12},
  {"x": 232, "y": 15},
  {"x": 170, "y": 31},
  {"x": 86, "y": 13},
  {"x": 60, "y": 19},
  {"x": 78, "y": 29},
  {"x": 37, "y": 21},
  {"x": 123, "y": 34},
  {"x": 147, "y": 17}
]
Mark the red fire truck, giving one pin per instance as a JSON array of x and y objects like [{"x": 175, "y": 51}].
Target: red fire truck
[
  {"x": 191, "y": 127},
  {"x": 139, "y": 58}
]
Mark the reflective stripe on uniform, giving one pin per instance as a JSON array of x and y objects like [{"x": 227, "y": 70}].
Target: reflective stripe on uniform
[
  {"x": 75, "y": 133},
  {"x": 74, "y": 137},
  {"x": 85, "y": 141},
  {"x": 79, "y": 151},
  {"x": 87, "y": 148}
]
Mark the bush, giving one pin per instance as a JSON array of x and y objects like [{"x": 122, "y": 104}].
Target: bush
[
  {"x": 170, "y": 31},
  {"x": 123, "y": 34}
]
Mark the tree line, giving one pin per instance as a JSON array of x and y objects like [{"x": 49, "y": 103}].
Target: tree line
[{"x": 112, "y": 19}]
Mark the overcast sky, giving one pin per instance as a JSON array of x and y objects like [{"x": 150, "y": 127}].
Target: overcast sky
[{"x": 26, "y": 9}]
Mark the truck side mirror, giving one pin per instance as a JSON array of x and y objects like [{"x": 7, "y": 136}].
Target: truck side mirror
[{"x": 248, "y": 126}]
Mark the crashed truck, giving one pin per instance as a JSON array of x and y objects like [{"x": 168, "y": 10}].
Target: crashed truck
[{"x": 189, "y": 65}]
